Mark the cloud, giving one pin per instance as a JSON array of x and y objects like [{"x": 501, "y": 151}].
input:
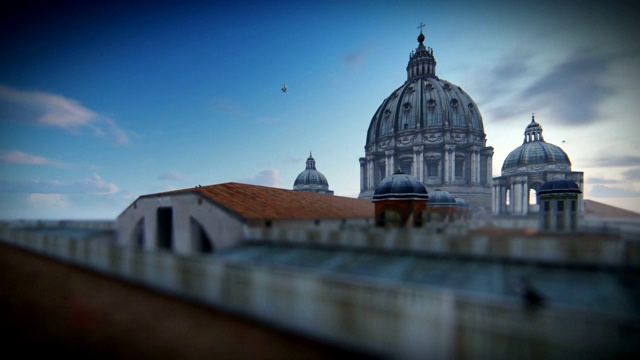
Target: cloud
[
  {"x": 93, "y": 185},
  {"x": 632, "y": 174},
  {"x": 19, "y": 157},
  {"x": 265, "y": 177},
  {"x": 171, "y": 175},
  {"x": 53, "y": 110},
  {"x": 572, "y": 90},
  {"x": 602, "y": 191},
  {"x": 597, "y": 180},
  {"x": 615, "y": 161}
]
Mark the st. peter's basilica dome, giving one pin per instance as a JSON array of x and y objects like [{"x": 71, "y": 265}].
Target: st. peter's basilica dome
[{"x": 431, "y": 129}]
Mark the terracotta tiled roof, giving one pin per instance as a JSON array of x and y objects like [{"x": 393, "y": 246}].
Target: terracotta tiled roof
[
  {"x": 595, "y": 209},
  {"x": 262, "y": 202}
]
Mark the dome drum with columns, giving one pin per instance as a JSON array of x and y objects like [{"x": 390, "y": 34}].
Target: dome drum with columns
[
  {"x": 433, "y": 130},
  {"x": 527, "y": 168}
]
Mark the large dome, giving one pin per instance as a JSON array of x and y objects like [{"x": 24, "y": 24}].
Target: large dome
[
  {"x": 424, "y": 101},
  {"x": 311, "y": 179},
  {"x": 430, "y": 129},
  {"x": 535, "y": 152}
]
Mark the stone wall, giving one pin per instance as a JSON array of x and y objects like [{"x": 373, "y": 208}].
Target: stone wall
[{"x": 390, "y": 319}]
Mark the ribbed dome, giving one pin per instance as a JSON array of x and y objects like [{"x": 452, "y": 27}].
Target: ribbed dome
[
  {"x": 400, "y": 186},
  {"x": 441, "y": 198},
  {"x": 535, "y": 151},
  {"x": 559, "y": 186},
  {"x": 311, "y": 179},
  {"x": 424, "y": 101}
]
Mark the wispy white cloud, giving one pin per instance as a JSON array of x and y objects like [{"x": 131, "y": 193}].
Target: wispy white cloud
[
  {"x": 53, "y": 110},
  {"x": 603, "y": 191},
  {"x": 93, "y": 185},
  {"x": 19, "y": 157},
  {"x": 265, "y": 178},
  {"x": 574, "y": 89},
  {"x": 632, "y": 174},
  {"x": 598, "y": 180},
  {"x": 614, "y": 160}
]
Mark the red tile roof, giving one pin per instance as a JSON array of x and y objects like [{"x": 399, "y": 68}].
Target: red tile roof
[{"x": 262, "y": 202}]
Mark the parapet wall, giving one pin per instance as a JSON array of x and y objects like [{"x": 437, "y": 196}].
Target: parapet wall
[
  {"x": 454, "y": 239},
  {"x": 386, "y": 318}
]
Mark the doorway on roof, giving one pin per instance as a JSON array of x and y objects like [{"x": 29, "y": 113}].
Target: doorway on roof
[
  {"x": 137, "y": 235},
  {"x": 200, "y": 239},
  {"x": 165, "y": 227}
]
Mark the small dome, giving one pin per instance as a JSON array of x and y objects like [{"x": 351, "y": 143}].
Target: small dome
[
  {"x": 535, "y": 151},
  {"x": 461, "y": 203},
  {"x": 311, "y": 179},
  {"x": 441, "y": 198},
  {"x": 400, "y": 186},
  {"x": 559, "y": 186}
]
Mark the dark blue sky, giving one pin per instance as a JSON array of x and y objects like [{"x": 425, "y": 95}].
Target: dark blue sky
[{"x": 101, "y": 102}]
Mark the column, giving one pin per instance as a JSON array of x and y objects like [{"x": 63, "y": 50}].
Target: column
[
  {"x": 488, "y": 153},
  {"x": 489, "y": 170},
  {"x": 446, "y": 167},
  {"x": 511, "y": 198},
  {"x": 418, "y": 162},
  {"x": 450, "y": 163},
  {"x": 495, "y": 207},
  {"x": 525, "y": 196},
  {"x": 478, "y": 163},
  {"x": 389, "y": 166},
  {"x": 580, "y": 196},
  {"x": 370, "y": 178},
  {"x": 517, "y": 197},
  {"x": 363, "y": 177}
]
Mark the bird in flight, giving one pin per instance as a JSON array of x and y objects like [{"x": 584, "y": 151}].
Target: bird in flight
[{"x": 284, "y": 88}]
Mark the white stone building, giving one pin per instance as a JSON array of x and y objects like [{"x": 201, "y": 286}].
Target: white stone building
[{"x": 210, "y": 218}]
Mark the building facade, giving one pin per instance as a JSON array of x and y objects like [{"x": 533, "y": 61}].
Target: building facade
[{"x": 433, "y": 130}]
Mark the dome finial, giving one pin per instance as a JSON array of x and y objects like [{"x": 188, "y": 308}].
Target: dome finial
[
  {"x": 421, "y": 36},
  {"x": 533, "y": 117}
]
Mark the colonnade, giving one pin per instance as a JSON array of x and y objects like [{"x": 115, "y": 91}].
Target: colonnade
[
  {"x": 518, "y": 195},
  {"x": 446, "y": 163}
]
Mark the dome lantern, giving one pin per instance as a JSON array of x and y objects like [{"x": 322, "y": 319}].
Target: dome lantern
[
  {"x": 533, "y": 132},
  {"x": 422, "y": 63}
]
